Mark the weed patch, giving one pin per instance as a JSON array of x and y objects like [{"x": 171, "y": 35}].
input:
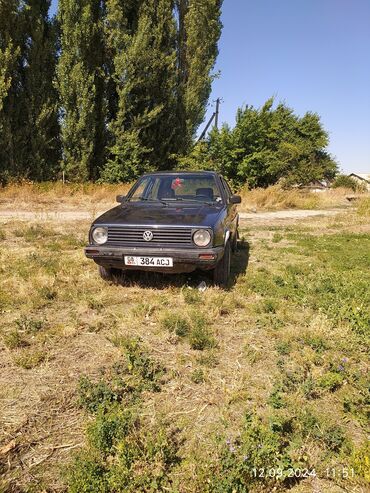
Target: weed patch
[
  {"x": 29, "y": 359},
  {"x": 29, "y": 325},
  {"x": 176, "y": 323},
  {"x": 14, "y": 340},
  {"x": 124, "y": 381},
  {"x": 200, "y": 337},
  {"x": 191, "y": 296},
  {"x": 123, "y": 452},
  {"x": 246, "y": 459},
  {"x": 198, "y": 376}
]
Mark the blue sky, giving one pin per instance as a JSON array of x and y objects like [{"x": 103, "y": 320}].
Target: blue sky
[{"x": 312, "y": 54}]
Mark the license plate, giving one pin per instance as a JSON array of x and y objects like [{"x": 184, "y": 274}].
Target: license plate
[{"x": 149, "y": 261}]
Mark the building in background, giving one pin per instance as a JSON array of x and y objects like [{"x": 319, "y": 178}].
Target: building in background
[{"x": 362, "y": 179}]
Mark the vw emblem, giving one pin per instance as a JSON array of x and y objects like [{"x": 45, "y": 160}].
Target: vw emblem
[{"x": 148, "y": 235}]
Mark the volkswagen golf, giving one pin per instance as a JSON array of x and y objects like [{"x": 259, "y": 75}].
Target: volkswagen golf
[{"x": 171, "y": 222}]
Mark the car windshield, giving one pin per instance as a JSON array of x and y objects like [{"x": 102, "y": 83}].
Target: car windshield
[{"x": 182, "y": 187}]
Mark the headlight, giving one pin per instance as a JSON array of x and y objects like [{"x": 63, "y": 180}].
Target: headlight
[
  {"x": 100, "y": 235},
  {"x": 202, "y": 237}
]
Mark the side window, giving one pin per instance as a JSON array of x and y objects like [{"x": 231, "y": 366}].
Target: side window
[
  {"x": 142, "y": 189},
  {"x": 227, "y": 188},
  {"x": 153, "y": 191}
]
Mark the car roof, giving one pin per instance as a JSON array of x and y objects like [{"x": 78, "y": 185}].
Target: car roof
[{"x": 180, "y": 172}]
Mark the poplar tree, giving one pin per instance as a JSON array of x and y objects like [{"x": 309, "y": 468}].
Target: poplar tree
[
  {"x": 142, "y": 38},
  {"x": 7, "y": 55},
  {"x": 81, "y": 87},
  {"x": 40, "y": 95},
  {"x": 129, "y": 88},
  {"x": 199, "y": 29},
  {"x": 11, "y": 45}
]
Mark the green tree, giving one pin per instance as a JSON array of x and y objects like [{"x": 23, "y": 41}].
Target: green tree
[
  {"x": 7, "y": 55},
  {"x": 270, "y": 144},
  {"x": 40, "y": 96},
  {"x": 12, "y": 41},
  {"x": 142, "y": 39},
  {"x": 199, "y": 29},
  {"x": 81, "y": 87}
]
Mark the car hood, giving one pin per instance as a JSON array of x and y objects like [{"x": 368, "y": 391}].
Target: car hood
[{"x": 158, "y": 214}]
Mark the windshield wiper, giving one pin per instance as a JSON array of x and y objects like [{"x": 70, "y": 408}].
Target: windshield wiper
[
  {"x": 145, "y": 199},
  {"x": 181, "y": 199}
]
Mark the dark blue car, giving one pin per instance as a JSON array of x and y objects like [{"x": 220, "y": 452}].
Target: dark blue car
[{"x": 169, "y": 222}]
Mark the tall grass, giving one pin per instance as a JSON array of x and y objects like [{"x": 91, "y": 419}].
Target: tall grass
[
  {"x": 364, "y": 206},
  {"x": 277, "y": 198},
  {"x": 58, "y": 193}
]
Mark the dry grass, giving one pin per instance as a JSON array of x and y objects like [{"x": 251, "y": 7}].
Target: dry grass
[
  {"x": 57, "y": 195},
  {"x": 364, "y": 206},
  {"x": 276, "y": 198},
  {"x": 277, "y": 339}
]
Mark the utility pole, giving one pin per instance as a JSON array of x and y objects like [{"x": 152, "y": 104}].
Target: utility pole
[
  {"x": 215, "y": 117},
  {"x": 217, "y": 113},
  {"x": 207, "y": 127}
]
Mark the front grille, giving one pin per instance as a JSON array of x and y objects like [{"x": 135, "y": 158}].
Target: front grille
[{"x": 161, "y": 237}]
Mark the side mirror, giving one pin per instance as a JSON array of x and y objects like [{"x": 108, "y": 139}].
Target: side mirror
[
  {"x": 120, "y": 198},
  {"x": 235, "y": 199}
]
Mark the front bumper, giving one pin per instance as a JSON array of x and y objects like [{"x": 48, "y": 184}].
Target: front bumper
[{"x": 184, "y": 260}]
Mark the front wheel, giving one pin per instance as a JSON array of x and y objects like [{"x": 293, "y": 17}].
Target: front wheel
[{"x": 221, "y": 273}]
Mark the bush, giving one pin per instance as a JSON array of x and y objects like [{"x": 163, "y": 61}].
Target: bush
[
  {"x": 267, "y": 145},
  {"x": 100, "y": 394},
  {"x": 259, "y": 447},
  {"x": 129, "y": 160},
  {"x": 345, "y": 181}
]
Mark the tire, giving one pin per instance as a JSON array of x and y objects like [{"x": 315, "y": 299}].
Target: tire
[
  {"x": 234, "y": 244},
  {"x": 109, "y": 274},
  {"x": 221, "y": 273}
]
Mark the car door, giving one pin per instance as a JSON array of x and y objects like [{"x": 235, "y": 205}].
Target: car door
[{"x": 232, "y": 212}]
